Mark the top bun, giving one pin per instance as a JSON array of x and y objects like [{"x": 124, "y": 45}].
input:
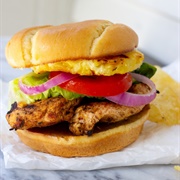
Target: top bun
[{"x": 83, "y": 40}]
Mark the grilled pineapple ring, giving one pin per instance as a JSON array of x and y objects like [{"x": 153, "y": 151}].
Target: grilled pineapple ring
[{"x": 121, "y": 64}]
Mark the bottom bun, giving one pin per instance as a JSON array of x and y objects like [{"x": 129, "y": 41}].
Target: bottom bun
[{"x": 59, "y": 141}]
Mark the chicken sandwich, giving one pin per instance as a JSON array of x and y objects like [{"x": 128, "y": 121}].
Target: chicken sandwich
[{"x": 88, "y": 92}]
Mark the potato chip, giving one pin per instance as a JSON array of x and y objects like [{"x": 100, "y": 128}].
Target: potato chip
[
  {"x": 165, "y": 108},
  {"x": 177, "y": 168}
]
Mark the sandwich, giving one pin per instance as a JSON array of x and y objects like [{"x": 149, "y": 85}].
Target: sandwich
[{"x": 88, "y": 92}]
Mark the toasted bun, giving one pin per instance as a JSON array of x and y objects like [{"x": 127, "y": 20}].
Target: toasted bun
[
  {"x": 58, "y": 141},
  {"x": 82, "y": 40}
]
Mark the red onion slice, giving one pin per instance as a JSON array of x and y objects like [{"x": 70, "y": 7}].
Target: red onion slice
[
  {"x": 59, "y": 79},
  {"x": 130, "y": 99}
]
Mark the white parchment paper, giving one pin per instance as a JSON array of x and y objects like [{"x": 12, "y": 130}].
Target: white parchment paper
[{"x": 158, "y": 144}]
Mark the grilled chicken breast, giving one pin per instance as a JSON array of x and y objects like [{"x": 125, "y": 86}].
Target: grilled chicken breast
[
  {"x": 41, "y": 113},
  {"x": 82, "y": 116}
]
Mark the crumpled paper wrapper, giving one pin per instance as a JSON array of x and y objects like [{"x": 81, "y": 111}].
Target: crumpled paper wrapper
[{"x": 157, "y": 144}]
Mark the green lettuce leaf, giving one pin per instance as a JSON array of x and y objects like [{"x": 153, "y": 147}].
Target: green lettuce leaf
[
  {"x": 146, "y": 69},
  {"x": 33, "y": 79}
]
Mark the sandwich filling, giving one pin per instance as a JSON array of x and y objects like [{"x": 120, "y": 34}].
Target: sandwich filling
[{"x": 81, "y": 111}]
